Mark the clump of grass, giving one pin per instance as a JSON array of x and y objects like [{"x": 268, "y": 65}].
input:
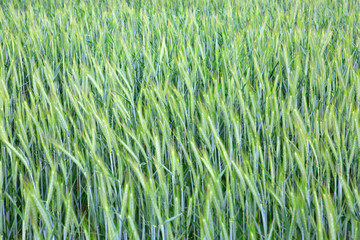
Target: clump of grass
[{"x": 179, "y": 119}]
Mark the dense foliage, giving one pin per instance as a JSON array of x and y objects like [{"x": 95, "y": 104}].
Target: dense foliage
[{"x": 211, "y": 119}]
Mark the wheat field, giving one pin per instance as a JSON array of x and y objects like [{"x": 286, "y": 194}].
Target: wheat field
[{"x": 194, "y": 119}]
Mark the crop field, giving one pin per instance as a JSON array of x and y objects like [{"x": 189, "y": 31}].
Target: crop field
[{"x": 194, "y": 119}]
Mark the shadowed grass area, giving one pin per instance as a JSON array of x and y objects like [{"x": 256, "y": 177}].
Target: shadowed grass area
[{"x": 206, "y": 119}]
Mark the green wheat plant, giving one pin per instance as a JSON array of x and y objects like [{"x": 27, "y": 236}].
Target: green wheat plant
[{"x": 194, "y": 119}]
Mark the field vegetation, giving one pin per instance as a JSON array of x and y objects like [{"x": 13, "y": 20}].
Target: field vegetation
[{"x": 194, "y": 119}]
